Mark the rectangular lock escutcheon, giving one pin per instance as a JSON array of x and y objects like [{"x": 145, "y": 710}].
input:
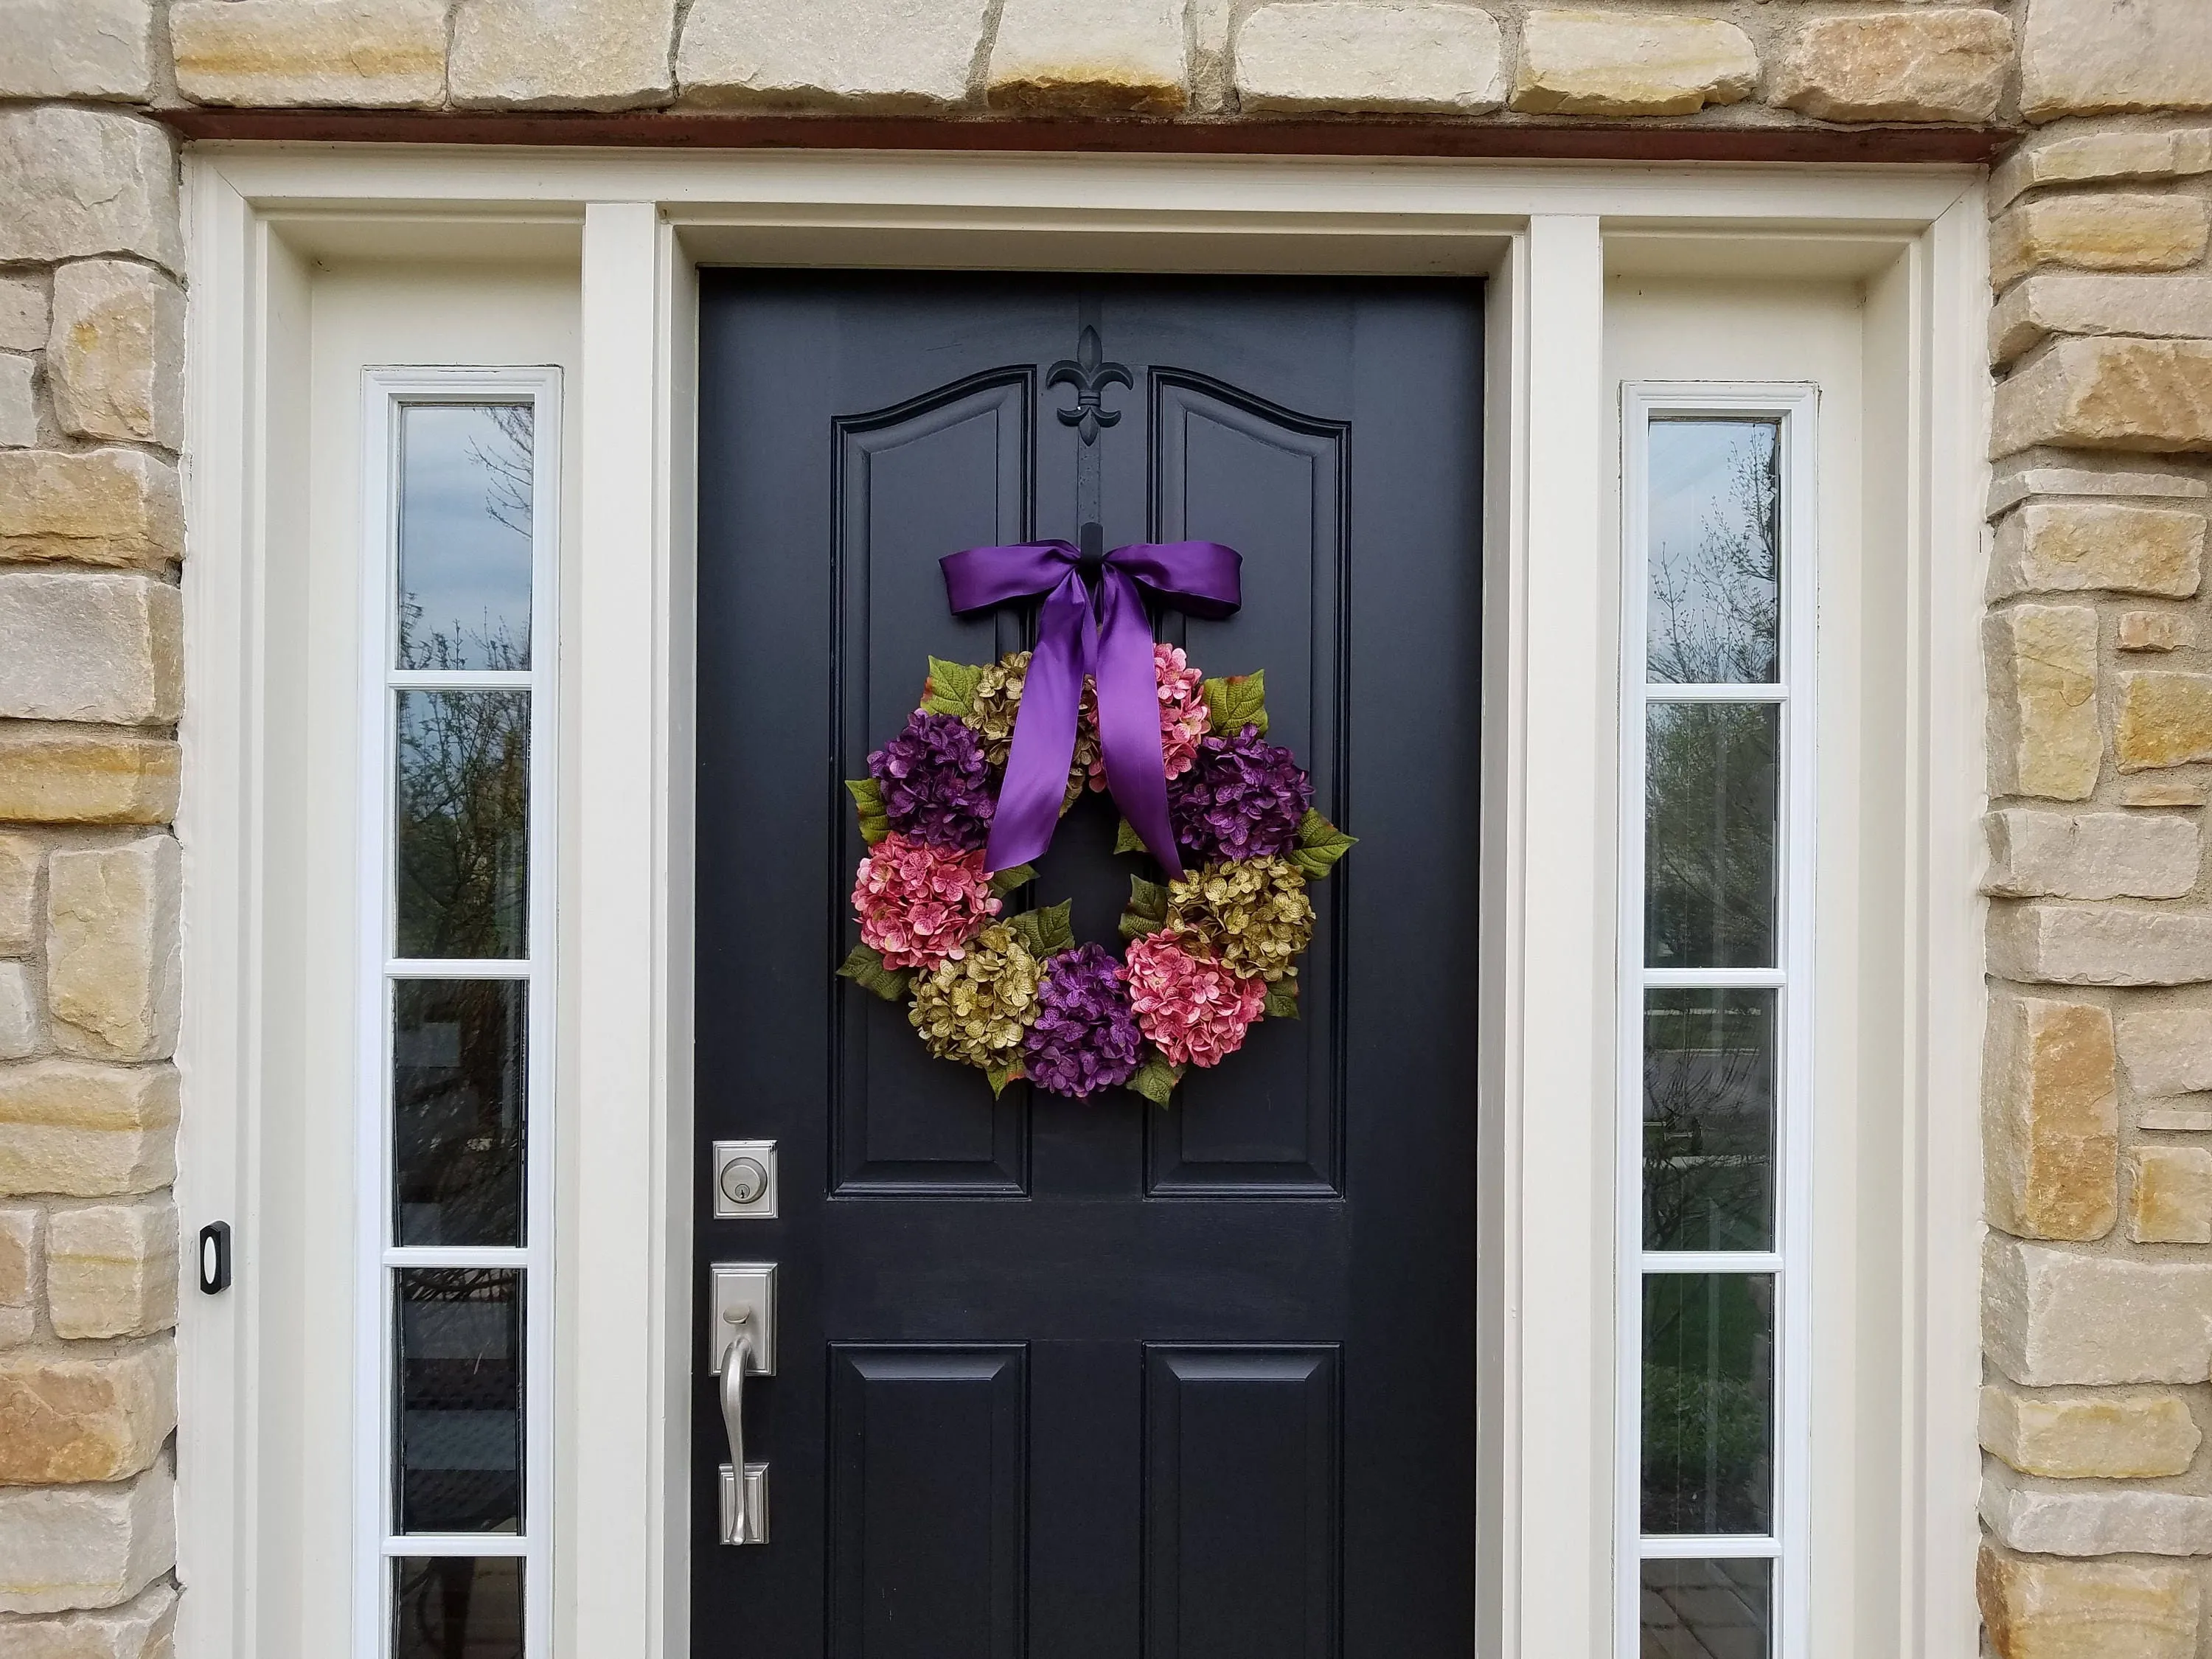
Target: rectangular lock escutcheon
[{"x": 747, "y": 1286}]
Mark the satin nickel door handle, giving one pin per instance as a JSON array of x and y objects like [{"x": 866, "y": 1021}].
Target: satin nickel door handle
[{"x": 741, "y": 1337}]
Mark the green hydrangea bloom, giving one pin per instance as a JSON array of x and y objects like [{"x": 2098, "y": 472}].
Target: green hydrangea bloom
[
  {"x": 1252, "y": 915},
  {"x": 998, "y": 700},
  {"x": 975, "y": 1010}
]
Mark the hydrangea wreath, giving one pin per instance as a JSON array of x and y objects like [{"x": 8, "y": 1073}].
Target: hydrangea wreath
[{"x": 1207, "y": 955}]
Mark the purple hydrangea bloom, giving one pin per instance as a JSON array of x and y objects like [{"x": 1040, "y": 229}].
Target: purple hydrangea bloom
[
  {"x": 935, "y": 784},
  {"x": 1244, "y": 798},
  {"x": 1085, "y": 1036}
]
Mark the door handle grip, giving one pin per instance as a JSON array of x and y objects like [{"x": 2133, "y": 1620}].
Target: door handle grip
[{"x": 737, "y": 1360}]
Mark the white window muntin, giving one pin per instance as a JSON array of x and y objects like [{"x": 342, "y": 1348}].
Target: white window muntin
[
  {"x": 379, "y": 1542},
  {"x": 1792, "y": 408}
]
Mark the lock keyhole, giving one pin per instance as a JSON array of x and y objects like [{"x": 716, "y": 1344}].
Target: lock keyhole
[{"x": 743, "y": 1180}]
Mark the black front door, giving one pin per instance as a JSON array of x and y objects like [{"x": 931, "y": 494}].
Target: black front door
[{"x": 1095, "y": 1380}]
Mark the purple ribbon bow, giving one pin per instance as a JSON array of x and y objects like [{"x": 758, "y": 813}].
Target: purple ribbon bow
[{"x": 1093, "y": 622}]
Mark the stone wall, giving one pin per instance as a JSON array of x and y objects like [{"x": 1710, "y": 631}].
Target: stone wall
[{"x": 2098, "y": 1110}]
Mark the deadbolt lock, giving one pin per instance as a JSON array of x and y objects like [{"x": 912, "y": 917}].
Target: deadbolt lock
[{"x": 744, "y": 1179}]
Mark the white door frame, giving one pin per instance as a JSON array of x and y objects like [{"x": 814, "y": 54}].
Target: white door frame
[{"x": 637, "y": 224}]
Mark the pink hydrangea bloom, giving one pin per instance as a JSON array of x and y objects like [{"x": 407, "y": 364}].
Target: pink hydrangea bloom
[
  {"x": 1184, "y": 717},
  {"x": 920, "y": 905},
  {"x": 1191, "y": 1008}
]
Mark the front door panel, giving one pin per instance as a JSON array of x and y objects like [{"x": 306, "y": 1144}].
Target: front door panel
[{"x": 1095, "y": 1380}]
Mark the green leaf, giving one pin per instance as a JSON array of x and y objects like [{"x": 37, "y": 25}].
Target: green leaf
[
  {"x": 865, "y": 967},
  {"x": 1055, "y": 929},
  {"x": 1236, "y": 702},
  {"x": 951, "y": 687},
  {"x": 1006, "y": 881},
  {"x": 1319, "y": 845},
  {"x": 1000, "y": 1076},
  {"x": 1155, "y": 1079},
  {"x": 1044, "y": 932},
  {"x": 1282, "y": 1001},
  {"x": 874, "y": 826},
  {"x": 1126, "y": 838},
  {"x": 1148, "y": 909}
]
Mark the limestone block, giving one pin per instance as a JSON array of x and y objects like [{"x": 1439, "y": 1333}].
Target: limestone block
[
  {"x": 77, "y": 647},
  {"x": 85, "y": 1547},
  {"x": 21, "y": 859},
  {"x": 2050, "y": 1118},
  {"x": 2059, "y": 302},
  {"x": 22, "y": 314},
  {"x": 18, "y": 1017},
  {"x": 76, "y": 183},
  {"x": 116, "y": 359},
  {"x": 2119, "y": 1435},
  {"x": 2089, "y": 158},
  {"x": 144, "y": 1628},
  {"x": 2021, "y": 477},
  {"x": 2170, "y": 1196},
  {"x": 2059, "y": 547},
  {"x": 19, "y": 402},
  {"x": 2053, "y": 1609},
  {"x": 65, "y": 1419},
  {"x": 1599, "y": 63},
  {"x": 562, "y": 54},
  {"x": 2076, "y": 944},
  {"x": 344, "y": 53},
  {"x": 2044, "y": 735},
  {"x": 1090, "y": 56},
  {"x": 2120, "y": 393},
  {"x": 2167, "y": 1051},
  {"x": 2089, "y": 855},
  {"x": 19, "y": 1255},
  {"x": 2098, "y": 233},
  {"x": 85, "y": 1131},
  {"x": 111, "y": 507},
  {"x": 2114, "y": 1522},
  {"x": 884, "y": 54},
  {"x": 2091, "y": 56},
  {"x": 2053, "y": 1316},
  {"x": 49, "y": 777},
  {"x": 112, "y": 1269},
  {"x": 2175, "y": 1119},
  {"x": 77, "y": 49},
  {"x": 1925, "y": 65},
  {"x": 2155, "y": 630},
  {"x": 1347, "y": 55},
  {"x": 112, "y": 949},
  {"x": 2165, "y": 719}
]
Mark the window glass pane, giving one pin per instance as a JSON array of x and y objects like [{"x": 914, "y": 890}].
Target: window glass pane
[
  {"x": 1708, "y": 1402},
  {"x": 1716, "y": 523},
  {"x": 455, "y": 1608},
  {"x": 464, "y": 823},
  {"x": 457, "y": 1110},
  {"x": 1710, "y": 823},
  {"x": 1706, "y": 1609},
  {"x": 464, "y": 507},
  {"x": 1709, "y": 1073},
  {"x": 459, "y": 1432}
]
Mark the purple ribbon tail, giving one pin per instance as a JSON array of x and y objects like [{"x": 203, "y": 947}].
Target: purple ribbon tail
[{"x": 1108, "y": 637}]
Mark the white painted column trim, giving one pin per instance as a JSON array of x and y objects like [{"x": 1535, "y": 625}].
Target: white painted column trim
[
  {"x": 1560, "y": 686},
  {"x": 610, "y": 1542}
]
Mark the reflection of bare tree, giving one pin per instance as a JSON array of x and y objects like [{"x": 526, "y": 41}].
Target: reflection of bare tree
[
  {"x": 1710, "y": 828},
  {"x": 1708, "y": 1121},
  {"x": 1717, "y": 606},
  {"x": 463, "y": 823},
  {"x": 506, "y": 462},
  {"x": 457, "y": 1112}
]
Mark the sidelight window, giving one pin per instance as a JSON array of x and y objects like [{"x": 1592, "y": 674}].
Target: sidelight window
[
  {"x": 456, "y": 1209},
  {"x": 1717, "y": 811}
]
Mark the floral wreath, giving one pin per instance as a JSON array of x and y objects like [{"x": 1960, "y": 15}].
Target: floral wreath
[{"x": 1207, "y": 954}]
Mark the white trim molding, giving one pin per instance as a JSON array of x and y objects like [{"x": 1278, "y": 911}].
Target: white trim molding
[{"x": 631, "y": 227}]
